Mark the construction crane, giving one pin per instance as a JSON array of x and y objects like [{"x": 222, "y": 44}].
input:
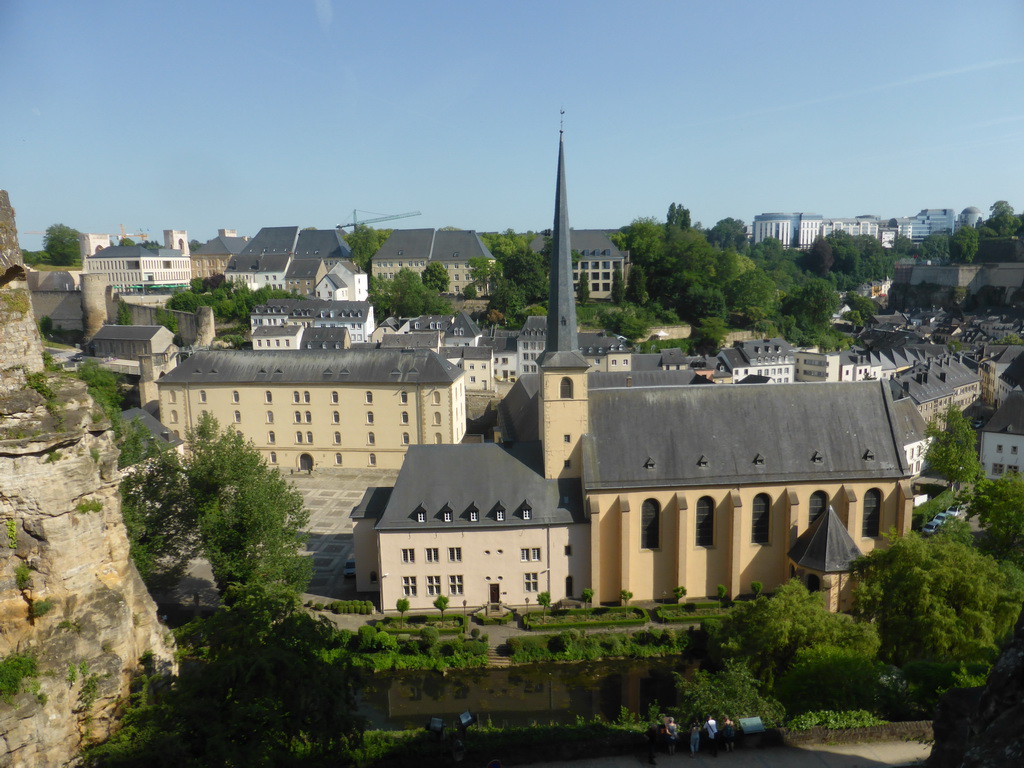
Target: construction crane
[{"x": 356, "y": 222}]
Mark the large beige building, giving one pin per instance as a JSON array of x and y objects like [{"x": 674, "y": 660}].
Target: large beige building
[
  {"x": 640, "y": 488},
  {"x": 334, "y": 408}
]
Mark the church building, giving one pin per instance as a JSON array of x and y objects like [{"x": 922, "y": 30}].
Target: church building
[{"x": 621, "y": 482}]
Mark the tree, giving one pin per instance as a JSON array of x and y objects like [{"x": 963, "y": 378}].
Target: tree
[
  {"x": 365, "y": 242},
  {"x": 827, "y": 677},
  {"x": 544, "y": 601},
  {"x": 766, "y": 633},
  {"x": 61, "y": 243},
  {"x": 435, "y": 277},
  {"x": 735, "y": 690},
  {"x": 441, "y": 603},
  {"x": 625, "y": 595},
  {"x": 710, "y": 334},
  {"x": 679, "y": 592},
  {"x": 999, "y": 505},
  {"x": 812, "y": 306},
  {"x": 405, "y": 296},
  {"x": 618, "y": 287},
  {"x": 402, "y": 605},
  {"x": 963, "y": 246},
  {"x": 528, "y": 271},
  {"x": 221, "y": 501},
  {"x": 678, "y": 216},
  {"x": 753, "y": 295},
  {"x": 124, "y": 313},
  {"x": 257, "y": 691},
  {"x": 953, "y": 452},
  {"x": 483, "y": 272},
  {"x": 588, "y": 597},
  {"x": 636, "y": 285},
  {"x": 819, "y": 258},
  {"x": 935, "y": 247},
  {"x": 470, "y": 291},
  {"x": 583, "y": 290},
  {"x": 728, "y": 233},
  {"x": 936, "y": 599}
]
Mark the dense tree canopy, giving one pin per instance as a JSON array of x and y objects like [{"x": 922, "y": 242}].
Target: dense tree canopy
[
  {"x": 61, "y": 244},
  {"x": 936, "y": 599},
  {"x": 953, "y": 452},
  {"x": 999, "y": 505},
  {"x": 435, "y": 277},
  {"x": 405, "y": 296},
  {"x": 365, "y": 241},
  {"x": 222, "y": 501}
]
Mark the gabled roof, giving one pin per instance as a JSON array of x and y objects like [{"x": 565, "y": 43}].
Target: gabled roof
[
  {"x": 377, "y": 366},
  {"x": 826, "y": 546},
  {"x": 1010, "y": 416},
  {"x": 278, "y": 241},
  {"x": 458, "y": 245},
  {"x": 648, "y": 378},
  {"x": 303, "y": 269},
  {"x": 588, "y": 240},
  {"x": 462, "y": 325},
  {"x": 156, "y": 430},
  {"x": 221, "y": 245},
  {"x": 129, "y": 332},
  {"x": 848, "y": 424},
  {"x": 406, "y": 244},
  {"x": 483, "y": 477},
  {"x": 518, "y": 411},
  {"x": 326, "y": 244}
]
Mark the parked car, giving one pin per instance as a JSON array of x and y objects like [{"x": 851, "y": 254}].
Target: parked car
[
  {"x": 959, "y": 512},
  {"x": 350, "y": 569},
  {"x": 933, "y": 525},
  {"x": 978, "y": 423}
]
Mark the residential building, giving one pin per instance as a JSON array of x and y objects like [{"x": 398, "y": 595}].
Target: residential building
[
  {"x": 995, "y": 360},
  {"x": 638, "y": 488},
  {"x": 212, "y": 258},
  {"x": 599, "y": 259},
  {"x": 304, "y": 275},
  {"x": 356, "y": 316},
  {"x": 1002, "y": 438},
  {"x": 322, "y": 408},
  {"x": 477, "y": 362},
  {"x": 266, "y": 259},
  {"x": 935, "y": 385},
  {"x": 834, "y": 366},
  {"x": 414, "y": 249},
  {"x": 344, "y": 282},
  {"x": 774, "y": 359},
  {"x": 135, "y": 342}
]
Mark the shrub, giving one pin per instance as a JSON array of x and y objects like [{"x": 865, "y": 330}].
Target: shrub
[
  {"x": 23, "y": 576},
  {"x": 367, "y": 638},
  {"x": 429, "y": 636},
  {"x": 92, "y": 505},
  {"x": 13, "y": 671},
  {"x": 40, "y": 608},
  {"x": 853, "y": 718}
]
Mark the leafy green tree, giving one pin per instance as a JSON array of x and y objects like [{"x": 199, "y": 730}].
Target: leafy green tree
[
  {"x": 819, "y": 258},
  {"x": 61, "y": 243},
  {"x": 1002, "y": 222},
  {"x": 441, "y": 603},
  {"x": 729, "y": 233},
  {"x": 508, "y": 301},
  {"x": 544, "y": 601},
  {"x": 702, "y": 301},
  {"x": 583, "y": 290},
  {"x": 678, "y": 216},
  {"x": 618, "y": 287},
  {"x": 483, "y": 271},
  {"x": 124, "y": 313},
  {"x": 105, "y": 387},
  {"x": 936, "y": 599},
  {"x": 679, "y": 592},
  {"x": 953, "y": 452},
  {"x": 830, "y": 677},
  {"x": 811, "y": 306},
  {"x": 1011, "y": 339},
  {"x": 710, "y": 333},
  {"x": 258, "y": 690},
  {"x": 636, "y": 285},
  {"x": 402, "y": 605},
  {"x": 588, "y": 597},
  {"x": 766, "y": 633},
  {"x": 734, "y": 691},
  {"x": 865, "y": 306},
  {"x": 935, "y": 247},
  {"x": 963, "y": 246},
  {"x": 406, "y": 296},
  {"x": 999, "y": 505},
  {"x": 137, "y": 444},
  {"x": 470, "y": 291},
  {"x": 753, "y": 295},
  {"x": 528, "y": 271},
  {"x": 625, "y": 595},
  {"x": 364, "y": 242},
  {"x": 223, "y": 502},
  {"x": 435, "y": 277}
]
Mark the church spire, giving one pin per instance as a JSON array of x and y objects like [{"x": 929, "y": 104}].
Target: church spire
[{"x": 561, "y": 299}]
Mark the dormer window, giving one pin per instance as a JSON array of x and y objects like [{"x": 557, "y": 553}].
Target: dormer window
[
  {"x": 649, "y": 464},
  {"x": 759, "y": 460},
  {"x": 474, "y": 516},
  {"x": 447, "y": 516},
  {"x": 499, "y": 514},
  {"x": 869, "y": 455},
  {"x": 817, "y": 458},
  {"x": 421, "y": 517},
  {"x": 702, "y": 461}
]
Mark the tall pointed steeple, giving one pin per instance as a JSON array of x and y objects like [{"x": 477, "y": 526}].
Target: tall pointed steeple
[{"x": 561, "y": 336}]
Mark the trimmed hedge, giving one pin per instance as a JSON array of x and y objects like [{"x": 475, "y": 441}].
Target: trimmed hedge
[
  {"x": 361, "y": 607},
  {"x": 396, "y": 626},
  {"x": 489, "y": 621},
  {"x": 576, "y": 618},
  {"x": 690, "y": 612}
]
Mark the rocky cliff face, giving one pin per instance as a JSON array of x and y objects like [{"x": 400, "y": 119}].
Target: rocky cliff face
[
  {"x": 69, "y": 595},
  {"x": 982, "y": 727}
]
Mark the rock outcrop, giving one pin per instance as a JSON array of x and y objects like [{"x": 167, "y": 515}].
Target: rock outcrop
[
  {"x": 981, "y": 727},
  {"x": 69, "y": 594}
]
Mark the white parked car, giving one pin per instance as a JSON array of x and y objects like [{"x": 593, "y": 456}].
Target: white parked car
[
  {"x": 959, "y": 512},
  {"x": 935, "y": 523}
]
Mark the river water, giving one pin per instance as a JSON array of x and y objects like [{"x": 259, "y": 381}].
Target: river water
[{"x": 536, "y": 693}]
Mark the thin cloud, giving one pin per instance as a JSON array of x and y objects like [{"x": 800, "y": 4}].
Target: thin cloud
[
  {"x": 845, "y": 95},
  {"x": 324, "y": 13}
]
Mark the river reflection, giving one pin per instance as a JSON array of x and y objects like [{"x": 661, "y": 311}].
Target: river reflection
[{"x": 541, "y": 693}]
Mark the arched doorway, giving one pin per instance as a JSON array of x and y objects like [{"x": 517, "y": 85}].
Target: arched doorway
[
  {"x": 813, "y": 583},
  {"x": 306, "y": 462},
  {"x": 568, "y": 586}
]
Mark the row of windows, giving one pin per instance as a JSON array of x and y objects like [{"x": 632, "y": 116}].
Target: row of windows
[
  {"x": 371, "y": 459},
  {"x": 455, "y": 585},
  {"x": 433, "y": 555},
  {"x": 305, "y": 397},
  {"x": 474, "y": 514},
  {"x": 760, "y": 520},
  {"x": 371, "y": 438}
]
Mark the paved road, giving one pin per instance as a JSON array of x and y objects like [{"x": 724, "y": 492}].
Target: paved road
[{"x": 895, "y": 753}]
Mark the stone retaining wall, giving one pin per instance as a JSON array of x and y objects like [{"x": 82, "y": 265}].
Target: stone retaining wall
[{"x": 913, "y": 730}]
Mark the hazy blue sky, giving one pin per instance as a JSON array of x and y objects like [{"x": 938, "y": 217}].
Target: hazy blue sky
[{"x": 197, "y": 115}]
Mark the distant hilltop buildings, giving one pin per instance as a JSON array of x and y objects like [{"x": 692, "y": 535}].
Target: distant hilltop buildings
[{"x": 800, "y": 230}]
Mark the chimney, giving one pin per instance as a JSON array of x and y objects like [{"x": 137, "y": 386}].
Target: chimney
[{"x": 227, "y": 233}]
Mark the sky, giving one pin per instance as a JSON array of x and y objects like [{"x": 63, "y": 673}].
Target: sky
[{"x": 236, "y": 114}]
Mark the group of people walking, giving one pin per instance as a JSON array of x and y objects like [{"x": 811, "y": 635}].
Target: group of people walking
[{"x": 709, "y": 733}]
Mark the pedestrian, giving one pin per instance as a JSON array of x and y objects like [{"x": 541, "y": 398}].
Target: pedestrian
[
  {"x": 694, "y": 738},
  {"x": 729, "y": 734},
  {"x": 672, "y": 733},
  {"x": 711, "y": 729},
  {"x": 652, "y": 743}
]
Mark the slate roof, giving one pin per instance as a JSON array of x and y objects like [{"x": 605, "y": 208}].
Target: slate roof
[
  {"x": 315, "y": 366},
  {"x": 826, "y": 546},
  {"x": 680, "y": 436},
  {"x": 326, "y": 244},
  {"x": 650, "y": 378},
  {"x": 413, "y": 244},
  {"x": 303, "y": 269},
  {"x": 1010, "y": 416},
  {"x": 468, "y": 353},
  {"x": 314, "y": 308},
  {"x": 908, "y": 422},
  {"x": 156, "y": 430},
  {"x": 316, "y": 336},
  {"x": 485, "y": 477},
  {"x": 936, "y": 378},
  {"x": 128, "y": 332},
  {"x": 600, "y": 343},
  {"x": 585, "y": 240},
  {"x": 414, "y": 340},
  {"x": 276, "y": 331},
  {"x": 221, "y": 245},
  {"x": 272, "y": 241},
  {"x": 518, "y": 411},
  {"x": 458, "y": 245}
]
